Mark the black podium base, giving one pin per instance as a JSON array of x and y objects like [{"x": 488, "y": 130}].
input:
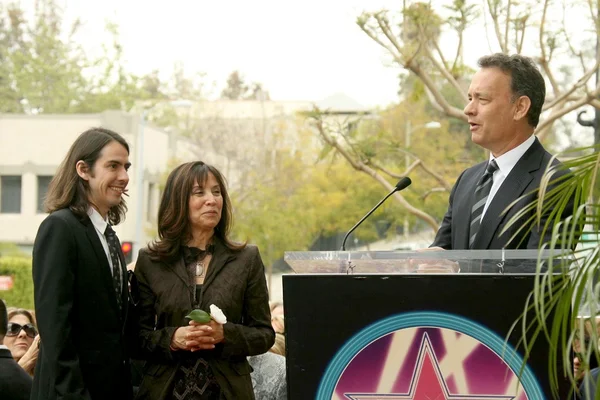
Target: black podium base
[{"x": 359, "y": 337}]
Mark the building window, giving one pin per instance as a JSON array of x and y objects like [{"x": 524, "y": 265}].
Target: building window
[
  {"x": 42, "y": 189},
  {"x": 10, "y": 194}
]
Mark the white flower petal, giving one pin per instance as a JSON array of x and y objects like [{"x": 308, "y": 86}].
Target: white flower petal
[{"x": 217, "y": 314}]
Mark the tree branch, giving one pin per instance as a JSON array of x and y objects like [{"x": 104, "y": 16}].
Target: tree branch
[
  {"x": 544, "y": 58},
  {"x": 430, "y": 191},
  {"x": 360, "y": 166},
  {"x": 447, "y": 109},
  {"x": 580, "y": 83},
  {"x": 439, "y": 52},
  {"x": 458, "y": 50},
  {"x": 543, "y": 128},
  {"x": 439, "y": 99},
  {"x": 437, "y": 176},
  {"x": 385, "y": 28},
  {"x": 568, "y": 40},
  {"x": 494, "y": 15},
  {"x": 506, "y": 27},
  {"x": 447, "y": 75}
]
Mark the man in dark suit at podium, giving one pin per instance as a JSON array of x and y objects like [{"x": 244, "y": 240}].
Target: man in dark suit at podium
[
  {"x": 505, "y": 101},
  {"x": 15, "y": 384}
]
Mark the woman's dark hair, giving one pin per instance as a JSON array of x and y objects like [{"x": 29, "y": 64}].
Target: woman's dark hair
[
  {"x": 68, "y": 190},
  {"x": 174, "y": 213}
]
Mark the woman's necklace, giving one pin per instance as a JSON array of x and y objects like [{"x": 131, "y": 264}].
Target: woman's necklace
[{"x": 200, "y": 268}]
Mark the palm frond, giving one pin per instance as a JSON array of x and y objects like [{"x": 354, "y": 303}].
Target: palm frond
[{"x": 564, "y": 303}]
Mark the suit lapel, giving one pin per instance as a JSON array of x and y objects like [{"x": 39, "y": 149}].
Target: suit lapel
[
  {"x": 102, "y": 260},
  {"x": 221, "y": 256},
  {"x": 180, "y": 270},
  {"x": 511, "y": 189},
  {"x": 464, "y": 204}
]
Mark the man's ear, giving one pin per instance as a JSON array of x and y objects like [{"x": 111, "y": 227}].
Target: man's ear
[
  {"x": 522, "y": 106},
  {"x": 82, "y": 170}
]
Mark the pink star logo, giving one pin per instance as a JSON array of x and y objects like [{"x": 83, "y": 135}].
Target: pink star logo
[{"x": 427, "y": 382}]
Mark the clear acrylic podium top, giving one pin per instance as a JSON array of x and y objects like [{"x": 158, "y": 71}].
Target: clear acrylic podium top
[{"x": 411, "y": 262}]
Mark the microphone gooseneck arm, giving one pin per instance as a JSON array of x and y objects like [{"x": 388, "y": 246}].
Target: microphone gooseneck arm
[
  {"x": 402, "y": 184},
  {"x": 365, "y": 217}
]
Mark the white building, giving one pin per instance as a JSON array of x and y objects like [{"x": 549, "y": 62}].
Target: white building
[
  {"x": 32, "y": 147},
  {"x": 241, "y": 133}
]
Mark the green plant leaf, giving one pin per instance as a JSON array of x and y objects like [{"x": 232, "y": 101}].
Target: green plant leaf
[{"x": 200, "y": 316}]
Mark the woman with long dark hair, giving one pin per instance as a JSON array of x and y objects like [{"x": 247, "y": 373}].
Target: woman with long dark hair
[{"x": 194, "y": 265}]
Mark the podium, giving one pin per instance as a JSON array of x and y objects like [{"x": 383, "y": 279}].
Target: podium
[{"x": 411, "y": 325}]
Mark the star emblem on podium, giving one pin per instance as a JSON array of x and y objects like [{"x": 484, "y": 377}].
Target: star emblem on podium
[{"x": 427, "y": 382}]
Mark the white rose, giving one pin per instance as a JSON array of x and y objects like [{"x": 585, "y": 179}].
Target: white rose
[{"x": 217, "y": 314}]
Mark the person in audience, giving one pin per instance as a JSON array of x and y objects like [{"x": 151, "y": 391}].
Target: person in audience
[
  {"x": 15, "y": 384},
  {"x": 279, "y": 345},
  {"x": 21, "y": 332},
  {"x": 589, "y": 385},
  {"x": 276, "y": 308},
  {"x": 22, "y": 338},
  {"x": 268, "y": 376},
  {"x": 278, "y": 324},
  {"x": 193, "y": 265}
]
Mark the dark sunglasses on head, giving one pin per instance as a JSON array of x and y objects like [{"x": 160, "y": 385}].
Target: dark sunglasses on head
[{"x": 14, "y": 329}]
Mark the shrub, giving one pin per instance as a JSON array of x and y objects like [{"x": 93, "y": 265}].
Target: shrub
[{"x": 21, "y": 294}]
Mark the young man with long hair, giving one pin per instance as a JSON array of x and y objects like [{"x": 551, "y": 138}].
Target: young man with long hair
[{"x": 80, "y": 281}]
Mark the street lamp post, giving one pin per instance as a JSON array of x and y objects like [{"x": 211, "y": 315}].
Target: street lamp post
[
  {"x": 139, "y": 176},
  {"x": 408, "y": 131}
]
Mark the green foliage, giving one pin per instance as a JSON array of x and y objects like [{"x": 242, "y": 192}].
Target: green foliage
[
  {"x": 565, "y": 297},
  {"x": 21, "y": 294},
  {"x": 238, "y": 89},
  {"x": 44, "y": 69},
  {"x": 299, "y": 197},
  {"x": 445, "y": 150},
  {"x": 11, "y": 250}
]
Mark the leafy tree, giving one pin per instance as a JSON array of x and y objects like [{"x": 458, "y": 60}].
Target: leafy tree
[
  {"x": 238, "y": 89},
  {"x": 411, "y": 38},
  {"x": 44, "y": 69},
  {"x": 399, "y": 142},
  {"x": 294, "y": 200}
]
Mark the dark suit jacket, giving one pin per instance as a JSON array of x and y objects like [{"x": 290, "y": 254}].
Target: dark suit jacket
[
  {"x": 83, "y": 353},
  {"x": 589, "y": 385},
  {"x": 523, "y": 179},
  {"x": 235, "y": 283},
  {"x": 15, "y": 384}
]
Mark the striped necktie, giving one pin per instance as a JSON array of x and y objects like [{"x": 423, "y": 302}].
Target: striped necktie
[
  {"x": 482, "y": 191},
  {"x": 113, "y": 247}
]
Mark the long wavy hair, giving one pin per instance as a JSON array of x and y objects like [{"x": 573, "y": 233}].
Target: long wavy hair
[
  {"x": 174, "y": 228},
  {"x": 68, "y": 190}
]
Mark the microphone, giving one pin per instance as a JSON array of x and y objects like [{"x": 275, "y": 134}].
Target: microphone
[{"x": 401, "y": 185}]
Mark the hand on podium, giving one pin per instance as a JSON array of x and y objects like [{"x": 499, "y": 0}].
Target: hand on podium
[{"x": 434, "y": 265}]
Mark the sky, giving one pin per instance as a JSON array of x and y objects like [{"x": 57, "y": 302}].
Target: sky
[
  {"x": 305, "y": 50},
  {"x": 299, "y": 51}
]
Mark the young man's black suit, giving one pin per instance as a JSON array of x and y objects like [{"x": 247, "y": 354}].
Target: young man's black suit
[{"x": 83, "y": 353}]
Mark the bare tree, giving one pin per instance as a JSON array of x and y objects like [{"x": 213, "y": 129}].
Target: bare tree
[{"x": 411, "y": 38}]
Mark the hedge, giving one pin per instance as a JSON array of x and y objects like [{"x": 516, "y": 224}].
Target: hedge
[{"x": 21, "y": 294}]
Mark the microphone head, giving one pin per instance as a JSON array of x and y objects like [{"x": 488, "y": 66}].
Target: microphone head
[{"x": 403, "y": 183}]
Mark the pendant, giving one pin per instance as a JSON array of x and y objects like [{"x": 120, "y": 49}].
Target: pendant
[{"x": 199, "y": 268}]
